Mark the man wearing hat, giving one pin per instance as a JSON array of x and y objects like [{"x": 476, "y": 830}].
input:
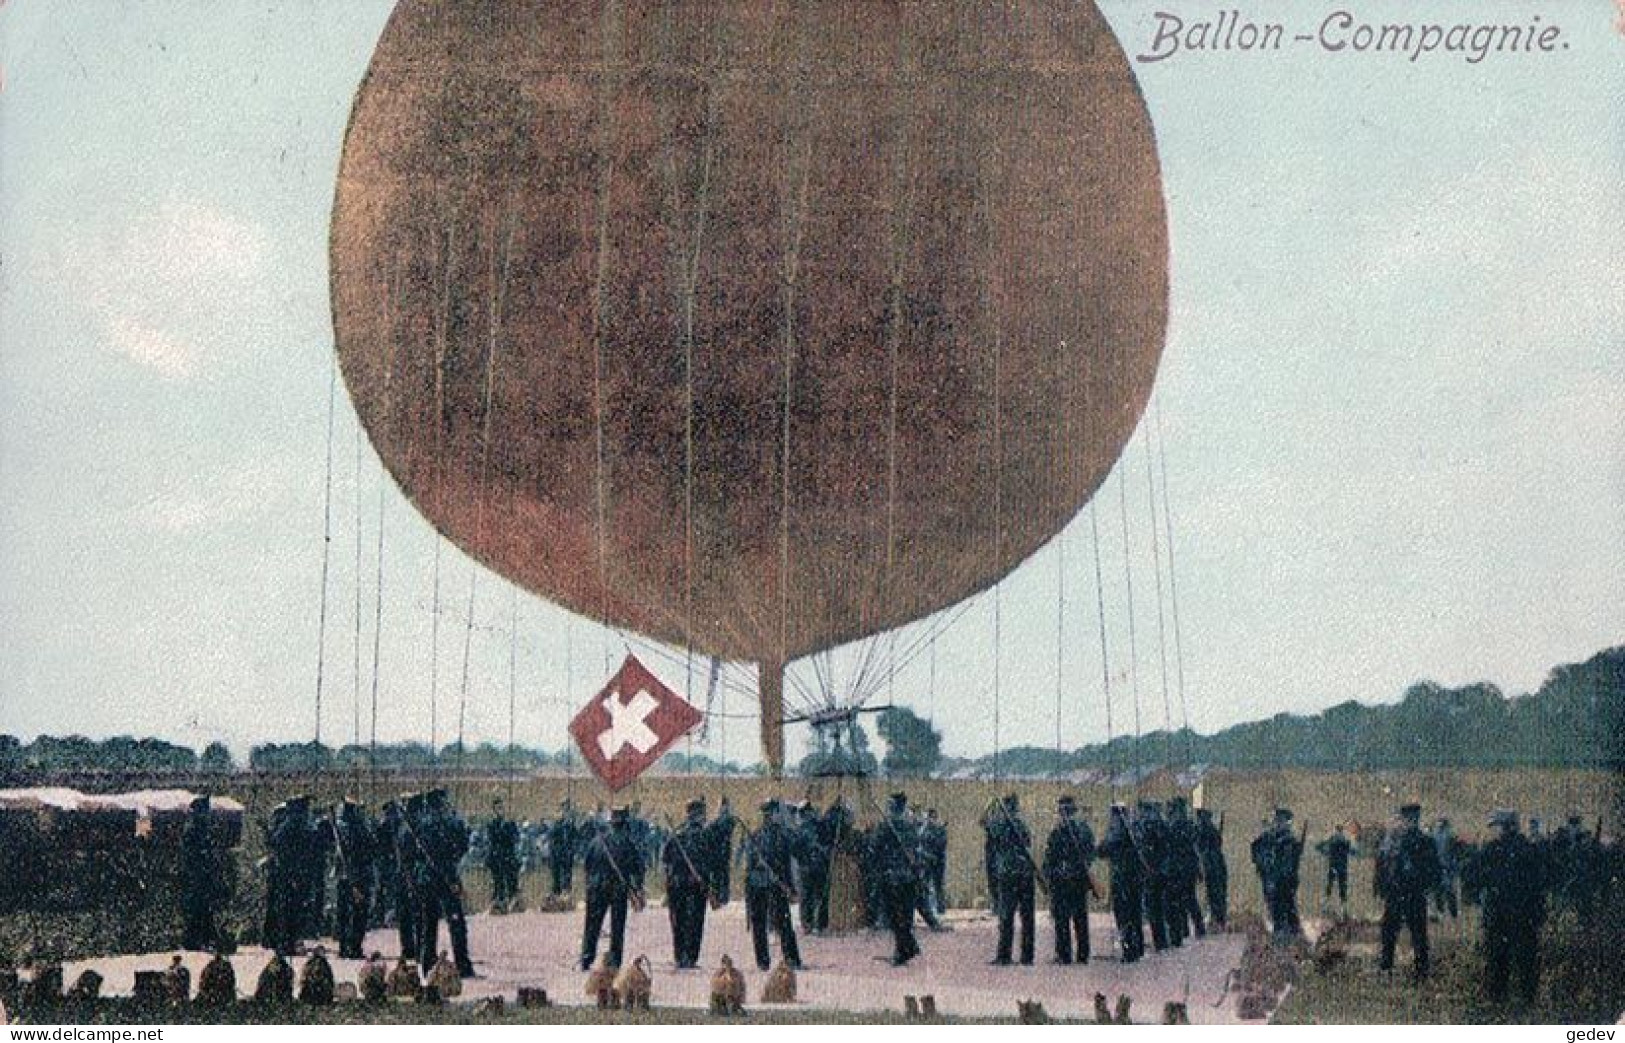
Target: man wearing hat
[
  {"x": 1184, "y": 868},
  {"x": 614, "y": 867},
  {"x": 442, "y": 838},
  {"x": 688, "y": 884},
  {"x": 899, "y": 874},
  {"x": 1407, "y": 870},
  {"x": 386, "y": 901},
  {"x": 1512, "y": 877},
  {"x": 1010, "y": 876},
  {"x": 768, "y": 857},
  {"x": 1151, "y": 833},
  {"x": 203, "y": 885},
  {"x": 288, "y": 837},
  {"x": 564, "y": 837},
  {"x": 1215, "y": 872},
  {"x": 1128, "y": 872},
  {"x": 502, "y": 856},
  {"x": 353, "y": 846},
  {"x": 934, "y": 842},
  {"x": 1277, "y": 856},
  {"x": 812, "y": 855},
  {"x": 1067, "y": 857}
]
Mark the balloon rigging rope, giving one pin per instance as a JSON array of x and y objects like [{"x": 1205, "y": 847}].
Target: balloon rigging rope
[
  {"x": 1173, "y": 589},
  {"x": 442, "y": 323},
  {"x": 1105, "y": 658},
  {"x": 1162, "y": 641},
  {"x": 1133, "y": 653},
  {"x": 606, "y": 176},
  {"x": 355, "y": 694},
  {"x": 327, "y": 545}
]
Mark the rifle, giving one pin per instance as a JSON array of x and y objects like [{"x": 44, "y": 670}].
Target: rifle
[
  {"x": 711, "y": 897},
  {"x": 913, "y": 866},
  {"x": 452, "y": 883},
  {"x": 634, "y": 894},
  {"x": 1038, "y": 873},
  {"x": 356, "y": 891},
  {"x": 750, "y": 846}
]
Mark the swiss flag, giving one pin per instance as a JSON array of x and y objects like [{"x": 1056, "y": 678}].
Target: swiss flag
[{"x": 630, "y": 723}]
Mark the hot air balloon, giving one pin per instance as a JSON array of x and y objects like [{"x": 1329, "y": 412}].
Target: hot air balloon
[{"x": 752, "y": 327}]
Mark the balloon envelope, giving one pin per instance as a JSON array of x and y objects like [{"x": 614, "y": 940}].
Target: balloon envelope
[{"x": 758, "y": 327}]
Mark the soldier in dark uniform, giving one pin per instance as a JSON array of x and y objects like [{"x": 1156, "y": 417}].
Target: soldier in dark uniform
[
  {"x": 1184, "y": 869},
  {"x": 1215, "y": 873},
  {"x": 203, "y": 885},
  {"x": 285, "y": 844},
  {"x": 442, "y": 837},
  {"x": 1407, "y": 870},
  {"x": 386, "y": 869},
  {"x": 1277, "y": 855},
  {"x": 1335, "y": 849},
  {"x": 1511, "y": 876},
  {"x": 563, "y": 837},
  {"x": 313, "y": 877},
  {"x": 896, "y": 857},
  {"x": 502, "y": 856},
  {"x": 1449, "y": 852},
  {"x": 408, "y": 862},
  {"x": 614, "y": 866},
  {"x": 1128, "y": 873},
  {"x": 934, "y": 841},
  {"x": 1011, "y": 877},
  {"x": 1151, "y": 832},
  {"x": 1067, "y": 857},
  {"x": 768, "y": 856},
  {"x": 812, "y": 857},
  {"x": 353, "y": 847},
  {"x": 724, "y": 855},
  {"x": 688, "y": 884}
]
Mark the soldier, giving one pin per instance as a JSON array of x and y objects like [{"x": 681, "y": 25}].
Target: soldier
[
  {"x": 812, "y": 857},
  {"x": 441, "y": 839},
  {"x": 408, "y": 860},
  {"x": 386, "y": 870},
  {"x": 934, "y": 842},
  {"x": 723, "y": 857},
  {"x": 768, "y": 859},
  {"x": 563, "y": 836},
  {"x": 1067, "y": 855},
  {"x": 1011, "y": 876},
  {"x": 353, "y": 846},
  {"x": 1512, "y": 877},
  {"x": 688, "y": 884},
  {"x": 312, "y": 885},
  {"x": 1335, "y": 849},
  {"x": 1151, "y": 833},
  {"x": 502, "y": 856},
  {"x": 1184, "y": 869},
  {"x": 203, "y": 885},
  {"x": 1128, "y": 873},
  {"x": 1448, "y": 848},
  {"x": 287, "y": 838},
  {"x": 1215, "y": 873},
  {"x": 1407, "y": 869},
  {"x": 614, "y": 867},
  {"x": 1277, "y": 855},
  {"x": 897, "y": 867}
]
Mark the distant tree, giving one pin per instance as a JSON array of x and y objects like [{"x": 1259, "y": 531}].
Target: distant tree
[
  {"x": 217, "y": 759},
  {"x": 11, "y": 753},
  {"x": 913, "y": 747}
]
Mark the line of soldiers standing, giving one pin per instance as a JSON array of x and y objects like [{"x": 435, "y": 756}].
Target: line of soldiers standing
[{"x": 400, "y": 869}]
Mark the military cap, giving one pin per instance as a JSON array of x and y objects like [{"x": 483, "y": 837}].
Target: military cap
[
  {"x": 1067, "y": 801},
  {"x": 1175, "y": 802},
  {"x": 620, "y": 813},
  {"x": 1204, "y": 813},
  {"x": 1011, "y": 801},
  {"x": 415, "y": 802},
  {"x": 1504, "y": 817},
  {"x": 438, "y": 795},
  {"x": 1283, "y": 814},
  {"x": 299, "y": 803},
  {"x": 770, "y": 804},
  {"x": 1410, "y": 810},
  {"x": 200, "y": 803},
  {"x": 899, "y": 799},
  {"x": 696, "y": 806},
  {"x": 1575, "y": 820}
]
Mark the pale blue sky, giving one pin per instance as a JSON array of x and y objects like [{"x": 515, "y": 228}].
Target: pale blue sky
[{"x": 1392, "y": 394}]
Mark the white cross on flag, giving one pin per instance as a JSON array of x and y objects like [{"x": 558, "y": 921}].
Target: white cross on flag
[{"x": 630, "y": 723}]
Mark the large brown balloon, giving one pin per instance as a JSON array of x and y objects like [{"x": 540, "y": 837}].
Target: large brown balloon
[{"x": 600, "y": 269}]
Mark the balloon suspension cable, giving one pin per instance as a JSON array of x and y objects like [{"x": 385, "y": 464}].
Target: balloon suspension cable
[
  {"x": 1105, "y": 657},
  {"x": 1133, "y": 652},
  {"x": 327, "y": 545},
  {"x": 355, "y": 695},
  {"x": 377, "y": 634},
  {"x": 1173, "y": 589},
  {"x": 1162, "y": 643},
  {"x": 513, "y": 685}
]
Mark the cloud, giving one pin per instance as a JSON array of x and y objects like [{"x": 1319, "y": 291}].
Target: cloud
[{"x": 170, "y": 286}]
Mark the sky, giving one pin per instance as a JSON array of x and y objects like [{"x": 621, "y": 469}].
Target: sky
[{"x": 1392, "y": 404}]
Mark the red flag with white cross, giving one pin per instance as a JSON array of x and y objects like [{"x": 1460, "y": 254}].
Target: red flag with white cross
[{"x": 630, "y": 723}]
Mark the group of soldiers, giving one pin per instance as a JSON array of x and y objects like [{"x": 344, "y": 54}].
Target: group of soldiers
[{"x": 402, "y": 869}]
